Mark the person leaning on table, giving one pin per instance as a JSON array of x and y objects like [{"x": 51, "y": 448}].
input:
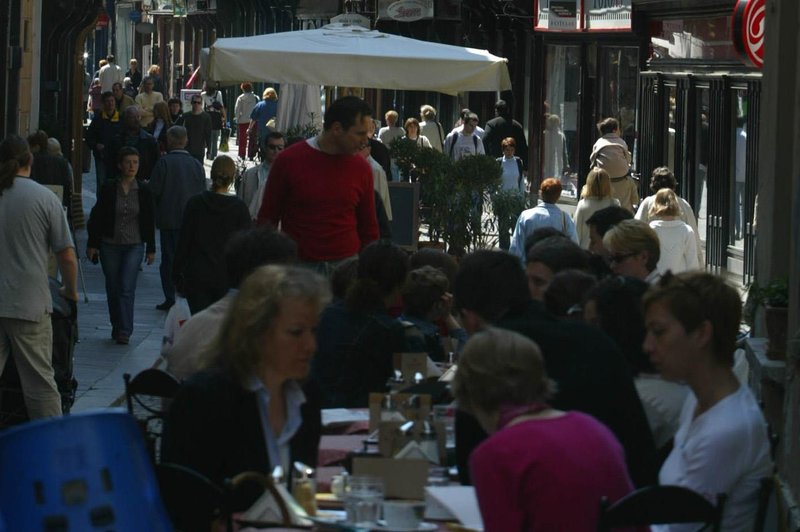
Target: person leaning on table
[
  {"x": 541, "y": 469},
  {"x": 252, "y": 408}
]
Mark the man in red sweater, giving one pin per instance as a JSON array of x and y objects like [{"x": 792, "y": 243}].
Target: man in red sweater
[{"x": 322, "y": 193}]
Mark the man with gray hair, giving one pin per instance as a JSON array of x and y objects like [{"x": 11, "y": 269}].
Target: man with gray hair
[{"x": 177, "y": 176}]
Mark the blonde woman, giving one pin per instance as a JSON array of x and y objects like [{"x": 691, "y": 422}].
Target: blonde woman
[
  {"x": 676, "y": 238},
  {"x": 252, "y": 408},
  {"x": 162, "y": 121},
  {"x": 209, "y": 220},
  {"x": 595, "y": 195},
  {"x": 263, "y": 112}
]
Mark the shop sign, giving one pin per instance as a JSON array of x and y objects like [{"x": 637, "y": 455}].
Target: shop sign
[
  {"x": 748, "y": 30},
  {"x": 608, "y": 15},
  {"x": 351, "y": 19},
  {"x": 558, "y": 15},
  {"x": 102, "y": 20},
  {"x": 135, "y": 16},
  {"x": 405, "y": 10}
]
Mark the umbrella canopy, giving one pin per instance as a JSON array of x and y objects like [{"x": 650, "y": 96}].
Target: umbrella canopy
[{"x": 352, "y": 56}]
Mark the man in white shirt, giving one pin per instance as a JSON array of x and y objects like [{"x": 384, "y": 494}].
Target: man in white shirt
[
  {"x": 254, "y": 180},
  {"x": 460, "y": 144},
  {"x": 460, "y": 124},
  {"x": 109, "y": 74}
]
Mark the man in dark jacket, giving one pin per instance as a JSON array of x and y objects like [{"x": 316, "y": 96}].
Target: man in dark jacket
[
  {"x": 590, "y": 371},
  {"x": 134, "y": 136},
  {"x": 105, "y": 126},
  {"x": 198, "y": 129},
  {"x": 501, "y": 127},
  {"x": 176, "y": 177}
]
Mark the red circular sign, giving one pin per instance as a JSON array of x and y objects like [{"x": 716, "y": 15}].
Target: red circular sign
[{"x": 748, "y": 30}]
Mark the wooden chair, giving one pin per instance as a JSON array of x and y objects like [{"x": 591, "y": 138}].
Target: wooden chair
[
  {"x": 660, "y": 505},
  {"x": 145, "y": 396}
]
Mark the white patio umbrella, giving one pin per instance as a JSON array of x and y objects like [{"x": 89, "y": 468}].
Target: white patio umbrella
[{"x": 352, "y": 56}]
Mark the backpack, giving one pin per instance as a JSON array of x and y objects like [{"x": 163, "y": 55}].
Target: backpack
[{"x": 455, "y": 135}]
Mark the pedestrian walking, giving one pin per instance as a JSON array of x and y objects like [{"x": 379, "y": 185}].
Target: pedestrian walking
[
  {"x": 121, "y": 231},
  {"x": 33, "y": 223},
  {"x": 245, "y": 103},
  {"x": 176, "y": 178},
  {"x": 209, "y": 220}
]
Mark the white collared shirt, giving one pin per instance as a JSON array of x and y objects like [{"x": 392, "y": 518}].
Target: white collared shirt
[{"x": 278, "y": 445}]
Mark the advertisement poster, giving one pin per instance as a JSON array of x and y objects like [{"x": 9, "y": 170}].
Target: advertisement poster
[
  {"x": 608, "y": 15},
  {"x": 558, "y": 15}
]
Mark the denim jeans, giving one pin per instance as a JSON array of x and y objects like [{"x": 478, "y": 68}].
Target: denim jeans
[
  {"x": 213, "y": 143},
  {"x": 169, "y": 241},
  {"x": 121, "y": 269}
]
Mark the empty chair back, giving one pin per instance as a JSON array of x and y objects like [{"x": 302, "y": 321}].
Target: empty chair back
[
  {"x": 660, "y": 505},
  {"x": 87, "y": 471}
]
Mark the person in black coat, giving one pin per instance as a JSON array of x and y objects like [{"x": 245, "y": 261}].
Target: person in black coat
[
  {"x": 503, "y": 126},
  {"x": 591, "y": 373},
  {"x": 120, "y": 222},
  {"x": 209, "y": 219},
  {"x": 251, "y": 408}
]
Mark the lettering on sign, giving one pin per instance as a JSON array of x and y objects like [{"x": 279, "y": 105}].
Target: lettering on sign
[{"x": 410, "y": 10}]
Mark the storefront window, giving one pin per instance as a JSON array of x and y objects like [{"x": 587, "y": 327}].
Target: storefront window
[
  {"x": 672, "y": 121},
  {"x": 739, "y": 152},
  {"x": 560, "y": 138},
  {"x": 703, "y": 139},
  {"x": 620, "y": 70},
  {"x": 704, "y": 38}
]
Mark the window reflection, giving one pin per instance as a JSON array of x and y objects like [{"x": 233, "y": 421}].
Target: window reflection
[
  {"x": 701, "y": 171},
  {"x": 740, "y": 211},
  {"x": 560, "y": 149},
  {"x": 703, "y": 38}
]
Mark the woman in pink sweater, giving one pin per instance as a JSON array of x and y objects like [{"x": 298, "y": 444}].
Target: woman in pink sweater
[{"x": 541, "y": 469}]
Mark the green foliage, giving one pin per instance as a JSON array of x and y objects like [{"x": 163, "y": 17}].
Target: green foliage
[
  {"x": 773, "y": 294},
  {"x": 306, "y": 131},
  {"x": 507, "y": 206}
]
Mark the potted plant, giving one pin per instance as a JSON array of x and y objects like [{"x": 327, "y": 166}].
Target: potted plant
[
  {"x": 774, "y": 297},
  {"x": 471, "y": 181},
  {"x": 506, "y": 208}
]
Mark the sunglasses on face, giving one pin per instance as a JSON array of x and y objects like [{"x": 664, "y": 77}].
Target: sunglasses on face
[{"x": 619, "y": 257}]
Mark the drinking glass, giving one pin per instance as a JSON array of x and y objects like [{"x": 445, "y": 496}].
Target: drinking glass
[{"x": 363, "y": 498}]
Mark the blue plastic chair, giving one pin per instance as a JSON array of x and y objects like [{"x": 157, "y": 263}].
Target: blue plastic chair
[{"x": 88, "y": 471}]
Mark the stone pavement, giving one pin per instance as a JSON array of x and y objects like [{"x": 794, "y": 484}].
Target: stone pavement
[{"x": 99, "y": 362}]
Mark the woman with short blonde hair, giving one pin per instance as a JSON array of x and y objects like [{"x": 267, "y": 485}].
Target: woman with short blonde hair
[
  {"x": 502, "y": 381},
  {"x": 595, "y": 195},
  {"x": 633, "y": 250},
  {"x": 676, "y": 237}
]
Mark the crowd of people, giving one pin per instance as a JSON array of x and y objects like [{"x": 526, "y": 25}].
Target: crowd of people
[{"x": 593, "y": 357}]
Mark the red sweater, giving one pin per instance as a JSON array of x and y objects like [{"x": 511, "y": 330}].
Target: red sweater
[{"x": 325, "y": 203}]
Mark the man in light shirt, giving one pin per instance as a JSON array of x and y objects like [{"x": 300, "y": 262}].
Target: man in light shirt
[
  {"x": 109, "y": 74},
  {"x": 460, "y": 144},
  {"x": 251, "y": 191}
]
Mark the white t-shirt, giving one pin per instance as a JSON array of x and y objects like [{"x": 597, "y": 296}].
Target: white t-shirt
[
  {"x": 511, "y": 176},
  {"x": 465, "y": 145},
  {"x": 723, "y": 450}
]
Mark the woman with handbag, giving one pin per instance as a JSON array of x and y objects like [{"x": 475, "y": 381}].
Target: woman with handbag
[{"x": 121, "y": 231}]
